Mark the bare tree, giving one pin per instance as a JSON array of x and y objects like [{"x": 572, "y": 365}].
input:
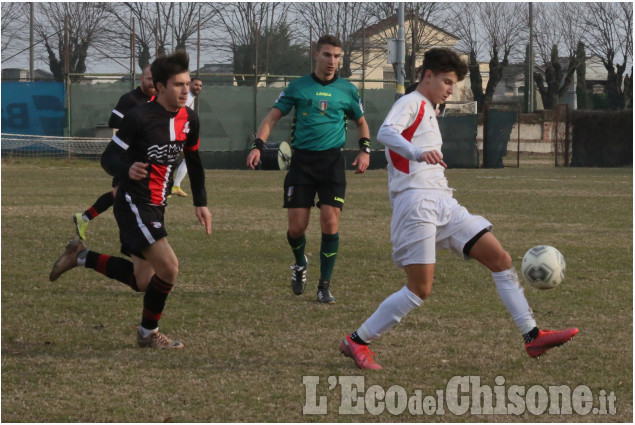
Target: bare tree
[
  {"x": 14, "y": 20},
  {"x": 557, "y": 28},
  {"x": 141, "y": 16},
  {"x": 155, "y": 23},
  {"x": 423, "y": 28},
  {"x": 343, "y": 20},
  {"x": 188, "y": 16},
  {"x": 235, "y": 25},
  {"x": 82, "y": 24},
  {"x": 489, "y": 31},
  {"x": 609, "y": 35}
]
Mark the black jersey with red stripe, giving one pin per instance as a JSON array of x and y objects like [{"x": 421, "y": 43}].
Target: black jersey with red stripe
[
  {"x": 151, "y": 134},
  {"x": 126, "y": 102}
]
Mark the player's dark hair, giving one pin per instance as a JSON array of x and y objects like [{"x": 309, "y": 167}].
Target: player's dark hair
[
  {"x": 441, "y": 59},
  {"x": 196, "y": 79},
  {"x": 328, "y": 39},
  {"x": 164, "y": 67}
]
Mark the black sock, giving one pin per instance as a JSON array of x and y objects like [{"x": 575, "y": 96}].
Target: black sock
[
  {"x": 357, "y": 339},
  {"x": 154, "y": 302},
  {"x": 113, "y": 267},
  {"x": 102, "y": 203},
  {"x": 531, "y": 335}
]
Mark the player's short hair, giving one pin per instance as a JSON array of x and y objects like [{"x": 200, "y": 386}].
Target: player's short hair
[
  {"x": 328, "y": 39},
  {"x": 196, "y": 79},
  {"x": 164, "y": 67},
  {"x": 442, "y": 59}
]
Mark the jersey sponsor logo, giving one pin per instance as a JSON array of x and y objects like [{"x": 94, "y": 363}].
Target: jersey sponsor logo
[
  {"x": 165, "y": 154},
  {"x": 279, "y": 97},
  {"x": 323, "y": 105},
  {"x": 323, "y": 93}
]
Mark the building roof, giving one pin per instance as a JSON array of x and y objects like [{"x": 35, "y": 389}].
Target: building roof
[{"x": 391, "y": 22}]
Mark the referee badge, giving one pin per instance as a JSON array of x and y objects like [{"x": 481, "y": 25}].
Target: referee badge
[{"x": 323, "y": 105}]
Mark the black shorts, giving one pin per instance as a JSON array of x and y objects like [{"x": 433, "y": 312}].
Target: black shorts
[
  {"x": 140, "y": 225},
  {"x": 311, "y": 172}
]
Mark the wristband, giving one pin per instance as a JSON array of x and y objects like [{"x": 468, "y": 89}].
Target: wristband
[
  {"x": 364, "y": 142},
  {"x": 257, "y": 144}
]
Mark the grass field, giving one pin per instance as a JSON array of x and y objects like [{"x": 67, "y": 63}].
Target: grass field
[{"x": 69, "y": 352}]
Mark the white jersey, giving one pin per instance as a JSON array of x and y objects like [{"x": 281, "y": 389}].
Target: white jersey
[
  {"x": 190, "y": 100},
  {"x": 410, "y": 129}
]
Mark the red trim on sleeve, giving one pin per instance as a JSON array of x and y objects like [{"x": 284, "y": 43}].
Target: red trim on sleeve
[
  {"x": 194, "y": 147},
  {"x": 399, "y": 162}
]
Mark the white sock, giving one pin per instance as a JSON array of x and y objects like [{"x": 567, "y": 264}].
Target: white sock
[
  {"x": 146, "y": 332},
  {"x": 180, "y": 174},
  {"x": 513, "y": 297},
  {"x": 388, "y": 314},
  {"x": 81, "y": 258}
]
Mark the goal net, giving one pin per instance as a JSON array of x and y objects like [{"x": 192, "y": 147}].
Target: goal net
[
  {"x": 459, "y": 108},
  {"x": 28, "y": 145}
]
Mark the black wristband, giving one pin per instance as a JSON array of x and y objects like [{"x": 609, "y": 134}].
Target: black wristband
[
  {"x": 364, "y": 142},
  {"x": 257, "y": 144}
]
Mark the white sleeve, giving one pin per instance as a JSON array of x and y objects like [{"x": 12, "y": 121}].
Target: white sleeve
[
  {"x": 190, "y": 101},
  {"x": 401, "y": 116}
]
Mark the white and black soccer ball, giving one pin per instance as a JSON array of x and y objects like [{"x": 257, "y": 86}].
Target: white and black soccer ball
[{"x": 543, "y": 267}]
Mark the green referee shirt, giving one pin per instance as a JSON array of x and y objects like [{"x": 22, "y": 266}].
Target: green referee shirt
[{"x": 322, "y": 109}]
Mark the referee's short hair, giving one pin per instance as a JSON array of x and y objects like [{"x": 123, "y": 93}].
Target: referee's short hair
[
  {"x": 164, "y": 67},
  {"x": 328, "y": 39},
  {"x": 442, "y": 59}
]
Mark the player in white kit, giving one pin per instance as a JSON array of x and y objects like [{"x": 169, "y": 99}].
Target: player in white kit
[{"x": 426, "y": 217}]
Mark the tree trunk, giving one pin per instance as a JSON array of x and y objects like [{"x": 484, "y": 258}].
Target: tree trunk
[
  {"x": 476, "y": 82},
  {"x": 144, "y": 55},
  {"x": 580, "y": 89},
  {"x": 496, "y": 69}
]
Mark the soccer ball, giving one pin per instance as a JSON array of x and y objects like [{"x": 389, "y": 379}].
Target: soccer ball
[{"x": 543, "y": 267}]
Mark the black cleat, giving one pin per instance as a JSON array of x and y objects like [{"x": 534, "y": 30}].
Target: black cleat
[
  {"x": 323, "y": 294},
  {"x": 298, "y": 279}
]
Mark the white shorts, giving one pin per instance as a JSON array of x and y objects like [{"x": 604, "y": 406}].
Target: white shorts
[{"x": 423, "y": 222}]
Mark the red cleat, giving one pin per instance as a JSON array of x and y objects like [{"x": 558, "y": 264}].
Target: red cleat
[
  {"x": 360, "y": 353},
  {"x": 547, "y": 339}
]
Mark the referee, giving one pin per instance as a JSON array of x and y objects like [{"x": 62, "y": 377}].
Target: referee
[{"x": 323, "y": 104}]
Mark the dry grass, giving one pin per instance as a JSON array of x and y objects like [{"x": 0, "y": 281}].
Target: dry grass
[{"x": 68, "y": 347}]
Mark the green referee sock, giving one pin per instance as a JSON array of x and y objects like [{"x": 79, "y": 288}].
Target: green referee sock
[
  {"x": 297, "y": 246},
  {"x": 328, "y": 253}
]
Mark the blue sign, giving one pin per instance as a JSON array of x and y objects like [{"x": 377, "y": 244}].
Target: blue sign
[{"x": 33, "y": 108}]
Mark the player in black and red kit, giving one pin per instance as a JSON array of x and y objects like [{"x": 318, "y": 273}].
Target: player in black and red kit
[
  {"x": 143, "y": 154},
  {"x": 144, "y": 93}
]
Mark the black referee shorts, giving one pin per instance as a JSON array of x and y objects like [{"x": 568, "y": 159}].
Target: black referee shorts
[
  {"x": 315, "y": 172},
  {"x": 140, "y": 225}
]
